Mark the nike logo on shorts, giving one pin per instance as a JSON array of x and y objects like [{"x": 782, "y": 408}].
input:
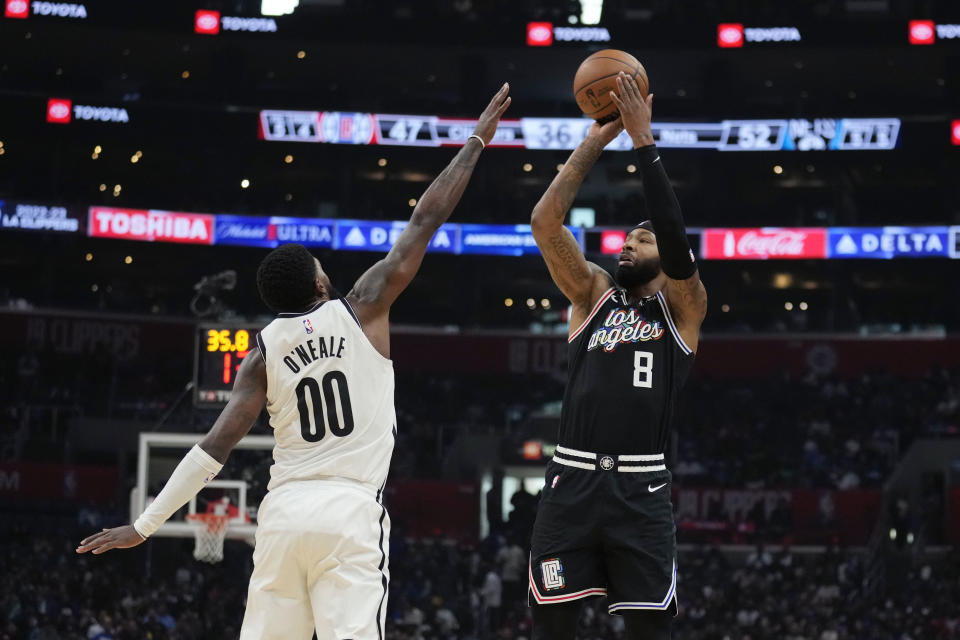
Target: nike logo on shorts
[{"x": 651, "y": 488}]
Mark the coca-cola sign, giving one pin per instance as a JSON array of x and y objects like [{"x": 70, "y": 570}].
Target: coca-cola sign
[{"x": 764, "y": 243}]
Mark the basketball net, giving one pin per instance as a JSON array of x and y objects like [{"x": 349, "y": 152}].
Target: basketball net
[{"x": 209, "y": 531}]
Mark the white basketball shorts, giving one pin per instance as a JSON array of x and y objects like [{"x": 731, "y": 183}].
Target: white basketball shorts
[{"x": 320, "y": 563}]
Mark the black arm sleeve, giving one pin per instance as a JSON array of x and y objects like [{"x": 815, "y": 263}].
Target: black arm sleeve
[{"x": 676, "y": 257}]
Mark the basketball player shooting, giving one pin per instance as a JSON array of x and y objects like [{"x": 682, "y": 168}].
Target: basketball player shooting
[
  {"x": 322, "y": 367},
  {"x": 605, "y": 523}
]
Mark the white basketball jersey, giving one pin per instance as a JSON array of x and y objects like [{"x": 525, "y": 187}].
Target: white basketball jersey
[{"x": 329, "y": 396}]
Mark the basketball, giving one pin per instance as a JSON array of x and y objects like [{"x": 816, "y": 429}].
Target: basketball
[{"x": 597, "y": 77}]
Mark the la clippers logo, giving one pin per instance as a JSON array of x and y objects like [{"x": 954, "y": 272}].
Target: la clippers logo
[
  {"x": 58, "y": 110},
  {"x": 17, "y": 9},
  {"x": 207, "y": 22},
  {"x": 307, "y": 326},
  {"x": 622, "y": 327},
  {"x": 552, "y": 571}
]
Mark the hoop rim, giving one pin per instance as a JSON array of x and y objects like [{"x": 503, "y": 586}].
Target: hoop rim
[{"x": 214, "y": 522}]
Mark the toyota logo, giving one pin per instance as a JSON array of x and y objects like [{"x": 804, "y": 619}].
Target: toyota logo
[
  {"x": 612, "y": 241},
  {"x": 922, "y": 31},
  {"x": 730, "y": 35},
  {"x": 540, "y": 34},
  {"x": 17, "y": 6},
  {"x": 207, "y": 22},
  {"x": 59, "y": 110}
]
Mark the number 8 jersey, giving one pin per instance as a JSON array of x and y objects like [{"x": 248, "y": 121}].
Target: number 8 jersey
[
  {"x": 627, "y": 365},
  {"x": 329, "y": 396}
]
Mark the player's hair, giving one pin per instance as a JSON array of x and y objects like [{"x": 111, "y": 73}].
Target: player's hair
[{"x": 287, "y": 279}]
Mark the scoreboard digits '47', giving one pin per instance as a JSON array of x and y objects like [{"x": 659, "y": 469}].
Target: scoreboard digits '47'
[{"x": 219, "y": 352}]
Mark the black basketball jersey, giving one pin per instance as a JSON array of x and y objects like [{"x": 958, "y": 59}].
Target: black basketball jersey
[{"x": 627, "y": 365}]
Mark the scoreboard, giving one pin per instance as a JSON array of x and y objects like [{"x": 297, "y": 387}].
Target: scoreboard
[
  {"x": 796, "y": 134},
  {"x": 219, "y": 351}
]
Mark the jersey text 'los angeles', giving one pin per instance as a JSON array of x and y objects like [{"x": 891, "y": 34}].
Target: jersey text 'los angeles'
[
  {"x": 627, "y": 365},
  {"x": 329, "y": 396}
]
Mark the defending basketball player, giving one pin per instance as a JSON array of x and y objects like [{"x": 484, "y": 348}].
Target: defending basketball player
[
  {"x": 322, "y": 367},
  {"x": 605, "y": 521}
]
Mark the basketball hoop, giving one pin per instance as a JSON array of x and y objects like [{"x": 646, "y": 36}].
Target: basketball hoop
[{"x": 209, "y": 531}]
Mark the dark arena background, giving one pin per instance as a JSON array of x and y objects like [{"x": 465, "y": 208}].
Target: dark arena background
[{"x": 151, "y": 153}]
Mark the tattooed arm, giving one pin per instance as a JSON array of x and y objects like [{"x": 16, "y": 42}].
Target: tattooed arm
[{"x": 580, "y": 281}]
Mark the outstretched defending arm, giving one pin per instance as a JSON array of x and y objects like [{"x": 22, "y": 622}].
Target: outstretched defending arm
[
  {"x": 685, "y": 292},
  {"x": 377, "y": 289},
  {"x": 580, "y": 281},
  {"x": 200, "y": 465}
]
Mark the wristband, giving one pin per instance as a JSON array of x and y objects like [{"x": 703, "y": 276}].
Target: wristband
[{"x": 479, "y": 139}]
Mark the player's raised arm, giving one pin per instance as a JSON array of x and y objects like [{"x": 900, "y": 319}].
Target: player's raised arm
[
  {"x": 200, "y": 465},
  {"x": 684, "y": 291},
  {"x": 580, "y": 281},
  {"x": 377, "y": 289}
]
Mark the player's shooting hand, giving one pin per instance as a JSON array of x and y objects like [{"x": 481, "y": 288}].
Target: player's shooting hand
[
  {"x": 116, "y": 538},
  {"x": 606, "y": 132},
  {"x": 635, "y": 111},
  {"x": 490, "y": 118}
]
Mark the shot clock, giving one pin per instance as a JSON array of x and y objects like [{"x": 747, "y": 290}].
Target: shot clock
[{"x": 219, "y": 351}]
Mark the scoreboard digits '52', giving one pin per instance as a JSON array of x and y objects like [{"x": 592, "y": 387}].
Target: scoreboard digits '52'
[{"x": 219, "y": 351}]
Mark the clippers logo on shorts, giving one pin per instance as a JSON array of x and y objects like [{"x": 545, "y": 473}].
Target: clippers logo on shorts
[
  {"x": 552, "y": 571},
  {"x": 606, "y": 463},
  {"x": 307, "y": 326},
  {"x": 622, "y": 327}
]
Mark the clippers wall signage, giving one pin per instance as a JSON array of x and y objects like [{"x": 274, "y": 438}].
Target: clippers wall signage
[
  {"x": 889, "y": 242},
  {"x": 822, "y": 134},
  {"x": 152, "y": 225},
  {"x": 763, "y": 243},
  {"x": 22, "y": 9},
  {"x": 733, "y": 35},
  {"x": 35, "y": 217}
]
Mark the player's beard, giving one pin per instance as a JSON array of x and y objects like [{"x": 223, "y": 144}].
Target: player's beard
[{"x": 638, "y": 273}]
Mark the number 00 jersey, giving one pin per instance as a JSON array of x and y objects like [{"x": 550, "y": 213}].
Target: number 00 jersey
[
  {"x": 329, "y": 396},
  {"x": 627, "y": 365}
]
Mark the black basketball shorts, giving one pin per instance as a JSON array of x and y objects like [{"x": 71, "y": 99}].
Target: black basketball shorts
[{"x": 606, "y": 533}]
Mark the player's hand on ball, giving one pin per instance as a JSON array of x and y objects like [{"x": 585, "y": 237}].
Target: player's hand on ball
[
  {"x": 490, "y": 118},
  {"x": 606, "y": 132},
  {"x": 116, "y": 538},
  {"x": 635, "y": 111}
]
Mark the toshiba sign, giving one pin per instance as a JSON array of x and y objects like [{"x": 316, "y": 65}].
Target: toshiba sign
[
  {"x": 763, "y": 244},
  {"x": 152, "y": 226}
]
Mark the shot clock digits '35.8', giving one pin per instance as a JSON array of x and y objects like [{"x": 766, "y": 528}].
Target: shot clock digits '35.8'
[{"x": 219, "y": 351}]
